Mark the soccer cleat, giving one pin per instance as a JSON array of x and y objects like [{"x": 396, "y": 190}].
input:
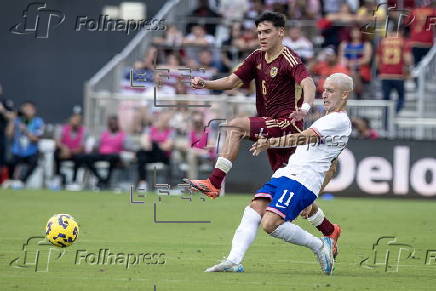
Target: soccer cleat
[
  {"x": 226, "y": 266},
  {"x": 204, "y": 186},
  {"x": 335, "y": 236},
  {"x": 325, "y": 255}
]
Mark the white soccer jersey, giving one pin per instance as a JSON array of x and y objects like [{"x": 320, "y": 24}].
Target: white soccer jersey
[{"x": 309, "y": 163}]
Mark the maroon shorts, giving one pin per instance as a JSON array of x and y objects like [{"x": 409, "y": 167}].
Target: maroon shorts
[{"x": 277, "y": 127}]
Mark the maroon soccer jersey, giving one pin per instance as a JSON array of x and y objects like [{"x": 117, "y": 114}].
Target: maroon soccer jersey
[{"x": 278, "y": 90}]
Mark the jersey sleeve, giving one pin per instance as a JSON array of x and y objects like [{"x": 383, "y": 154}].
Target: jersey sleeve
[
  {"x": 299, "y": 72},
  {"x": 332, "y": 125},
  {"x": 246, "y": 71}
]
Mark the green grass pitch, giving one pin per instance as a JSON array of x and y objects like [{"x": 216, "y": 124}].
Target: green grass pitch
[{"x": 109, "y": 221}]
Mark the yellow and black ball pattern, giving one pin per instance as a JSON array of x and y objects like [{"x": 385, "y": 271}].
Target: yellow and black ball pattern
[{"x": 62, "y": 230}]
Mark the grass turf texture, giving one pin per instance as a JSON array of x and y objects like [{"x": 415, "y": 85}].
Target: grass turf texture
[{"x": 109, "y": 221}]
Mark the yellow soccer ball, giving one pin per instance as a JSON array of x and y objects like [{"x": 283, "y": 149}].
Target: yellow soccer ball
[{"x": 62, "y": 230}]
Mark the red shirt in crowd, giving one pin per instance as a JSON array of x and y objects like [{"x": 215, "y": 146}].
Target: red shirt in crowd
[
  {"x": 391, "y": 57},
  {"x": 421, "y": 28}
]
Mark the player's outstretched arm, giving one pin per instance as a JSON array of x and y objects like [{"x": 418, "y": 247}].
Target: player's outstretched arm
[
  {"x": 329, "y": 174},
  {"x": 226, "y": 83},
  {"x": 308, "y": 136}
]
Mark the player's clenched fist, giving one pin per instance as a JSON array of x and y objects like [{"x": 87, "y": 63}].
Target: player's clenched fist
[{"x": 198, "y": 83}]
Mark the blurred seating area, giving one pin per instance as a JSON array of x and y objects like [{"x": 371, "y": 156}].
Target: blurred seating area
[{"x": 132, "y": 138}]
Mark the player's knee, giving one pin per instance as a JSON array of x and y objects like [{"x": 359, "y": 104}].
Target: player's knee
[
  {"x": 259, "y": 205},
  {"x": 269, "y": 224},
  {"x": 239, "y": 126}
]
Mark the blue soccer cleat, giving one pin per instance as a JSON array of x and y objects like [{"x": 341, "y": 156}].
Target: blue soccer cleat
[
  {"x": 226, "y": 266},
  {"x": 325, "y": 255}
]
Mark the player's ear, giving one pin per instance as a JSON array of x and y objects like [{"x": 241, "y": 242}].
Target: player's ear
[
  {"x": 281, "y": 31},
  {"x": 345, "y": 95}
]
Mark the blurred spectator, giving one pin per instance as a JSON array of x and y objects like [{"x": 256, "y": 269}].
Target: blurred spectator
[
  {"x": 344, "y": 15},
  {"x": 233, "y": 9},
  {"x": 137, "y": 78},
  {"x": 256, "y": 8},
  {"x": 305, "y": 10},
  {"x": 168, "y": 74},
  {"x": 172, "y": 38},
  {"x": 331, "y": 6},
  {"x": 327, "y": 65},
  {"x": 363, "y": 128},
  {"x": 197, "y": 143},
  {"x": 393, "y": 58},
  {"x": 156, "y": 146},
  {"x": 204, "y": 11},
  {"x": 203, "y": 69},
  {"x": 355, "y": 53},
  {"x": 70, "y": 145},
  {"x": 280, "y": 6},
  {"x": 206, "y": 61},
  {"x": 421, "y": 31},
  {"x": 301, "y": 45},
  {"x": 198, "y": 36},
  {"x": 24, "y": 129},
  {"x": 231, "y": 51},
  {"x": 371, "y": 12},
  {"x": 248, "y": 40},
  {"x": 150, "y": 58},
  {"x": 112, "y": 142}
]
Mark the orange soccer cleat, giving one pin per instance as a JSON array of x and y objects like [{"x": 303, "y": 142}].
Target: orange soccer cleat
[
  {"x": 205, "y": 187},
  {"x": 335, "y": 236}
]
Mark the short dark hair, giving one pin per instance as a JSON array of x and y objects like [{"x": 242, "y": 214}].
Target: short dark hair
[{"x": 277, "y": 19}]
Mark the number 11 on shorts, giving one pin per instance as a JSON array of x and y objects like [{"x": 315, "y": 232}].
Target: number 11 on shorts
[{"x": 282, "y": 198}]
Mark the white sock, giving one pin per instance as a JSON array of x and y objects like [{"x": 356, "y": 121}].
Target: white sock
[
  {"x": 244, "y": 235},
  {"x": 294, "y": 234},
  {"x": 223, "y": 164},
  {"x": 317, "y": 218}
]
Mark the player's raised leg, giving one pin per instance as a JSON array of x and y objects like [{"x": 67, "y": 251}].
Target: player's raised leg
[
  {"x": 317, "y": 218},
  {"x": 237, "y": 129}
]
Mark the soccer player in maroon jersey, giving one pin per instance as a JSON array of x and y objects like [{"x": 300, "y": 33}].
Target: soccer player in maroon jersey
[{"x": 281, "y": 81}]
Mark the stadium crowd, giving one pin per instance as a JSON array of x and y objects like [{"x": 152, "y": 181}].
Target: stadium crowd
[
  {"x": 330, "y": 36},
  {"x": 158, "y": 143}
]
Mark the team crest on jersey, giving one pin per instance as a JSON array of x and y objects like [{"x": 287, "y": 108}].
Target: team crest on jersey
[
  {"x": 259, "y": 67},
  {"x": 273, "y": 72}
]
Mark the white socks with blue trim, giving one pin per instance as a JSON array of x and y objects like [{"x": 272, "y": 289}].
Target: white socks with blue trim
[
  {"x": 244, "y": 235},
  {"x": 292, "y": 233}
]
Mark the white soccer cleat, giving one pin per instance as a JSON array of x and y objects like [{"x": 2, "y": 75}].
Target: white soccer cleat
[
  {"x": 226, "y": 266},
  {"x": 325, "y": 255}
]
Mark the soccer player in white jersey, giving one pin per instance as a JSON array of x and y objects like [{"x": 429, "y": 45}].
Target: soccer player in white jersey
[{"x": 293, "y": 189}]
